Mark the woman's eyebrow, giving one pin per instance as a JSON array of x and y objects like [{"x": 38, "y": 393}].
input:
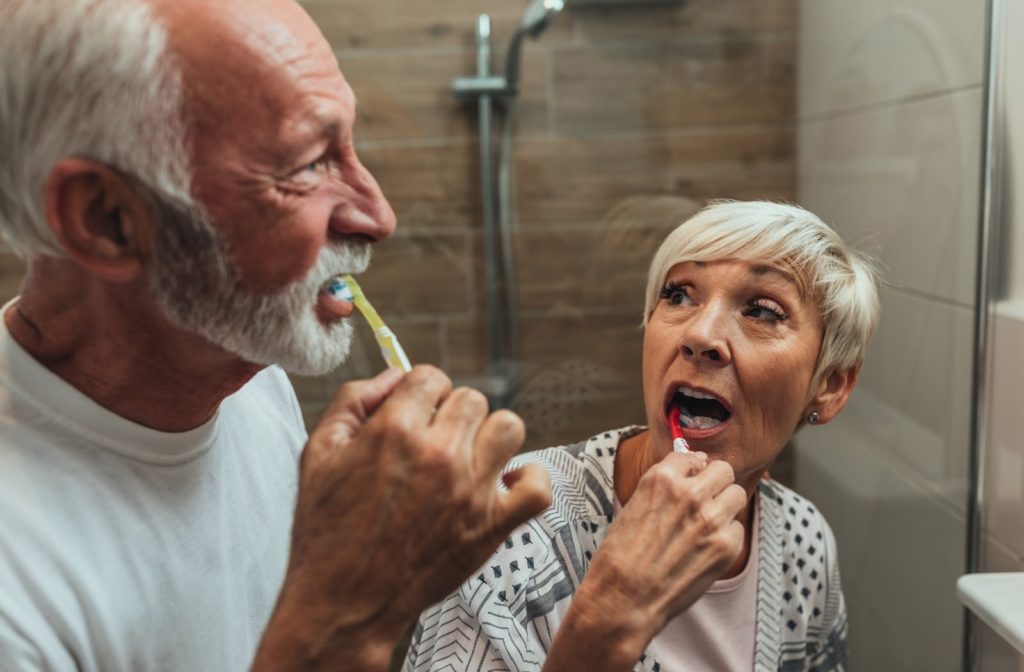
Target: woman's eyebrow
[{"x": 762, "y": 271}]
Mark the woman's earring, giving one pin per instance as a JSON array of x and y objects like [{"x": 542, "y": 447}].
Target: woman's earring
[{"x": 813, "y": 417}]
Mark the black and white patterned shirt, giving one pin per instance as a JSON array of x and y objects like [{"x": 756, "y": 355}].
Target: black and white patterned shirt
[{"x": 505, "y": 617}]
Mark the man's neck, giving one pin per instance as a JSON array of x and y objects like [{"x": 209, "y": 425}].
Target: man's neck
[{"x": 113, "y": 344}]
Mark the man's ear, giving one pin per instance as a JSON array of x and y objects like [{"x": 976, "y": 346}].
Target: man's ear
[
  {"x": 832, "y": 394},
  {"x": 99, "y": 217}
]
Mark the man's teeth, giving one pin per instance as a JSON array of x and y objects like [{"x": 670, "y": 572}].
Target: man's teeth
[
  {"x": 695, "y": 393},
  {"x": 698, "y": 421}
]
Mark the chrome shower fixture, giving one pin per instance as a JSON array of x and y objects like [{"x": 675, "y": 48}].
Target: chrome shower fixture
[
  {"x": 489, "y": 90},
  {"x": 539, "y": 14},
  {"x": 536, "y": 18}
]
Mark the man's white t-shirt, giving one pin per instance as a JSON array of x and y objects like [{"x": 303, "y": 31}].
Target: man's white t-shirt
[{"x": 126, "y": 548}]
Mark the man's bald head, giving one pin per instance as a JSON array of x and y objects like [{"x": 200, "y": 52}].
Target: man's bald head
[{"x": 241, "y": 61}]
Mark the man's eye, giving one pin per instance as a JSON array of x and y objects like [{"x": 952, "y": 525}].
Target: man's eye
[{"x": 317, "y": 165}]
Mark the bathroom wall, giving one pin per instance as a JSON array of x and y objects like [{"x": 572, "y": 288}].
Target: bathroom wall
[
  {"x": 629, "y": 119},
  {"x": 889, "y": 113}
]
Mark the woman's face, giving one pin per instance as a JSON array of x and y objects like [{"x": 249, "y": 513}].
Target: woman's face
[{"x": 733, "y": 345}]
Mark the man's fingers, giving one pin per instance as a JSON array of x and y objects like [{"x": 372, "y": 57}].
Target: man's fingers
[
  {"x": 418, "y": 395},
  {"x": 354, "y": 402},
  {"x": 528, "y": 495},
  {"x": 460, "y": 416},
  {"x": 500, "y": 437}
]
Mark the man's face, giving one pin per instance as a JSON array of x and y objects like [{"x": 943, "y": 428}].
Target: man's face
[
  {"x": 276, "y": 173},
  {"x": 201, "y": 290}
]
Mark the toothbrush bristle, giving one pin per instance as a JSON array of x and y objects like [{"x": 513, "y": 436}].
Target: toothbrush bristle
[{"x": 341, "y": 288}]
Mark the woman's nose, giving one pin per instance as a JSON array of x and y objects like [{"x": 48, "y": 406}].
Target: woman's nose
[
  {"x": 365, "y": 211},
  {"x": 703, "y": 342}
]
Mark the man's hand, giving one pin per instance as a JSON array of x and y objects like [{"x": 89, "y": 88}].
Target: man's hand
[
  {"x": 397, "y": 505},
  {"x": 676, "y": 535}
]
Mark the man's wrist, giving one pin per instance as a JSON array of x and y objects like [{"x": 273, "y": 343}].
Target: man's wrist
[{"x": 302, "y": 637}]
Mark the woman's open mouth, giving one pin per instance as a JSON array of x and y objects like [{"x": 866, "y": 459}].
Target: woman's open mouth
[{"x": 699, "y": 410}]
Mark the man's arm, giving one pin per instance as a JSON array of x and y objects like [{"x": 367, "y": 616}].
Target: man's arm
[{"x": 397, "y": 504}]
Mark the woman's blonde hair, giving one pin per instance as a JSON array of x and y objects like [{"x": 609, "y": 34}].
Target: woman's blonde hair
[{"x": 841, "y": 281}]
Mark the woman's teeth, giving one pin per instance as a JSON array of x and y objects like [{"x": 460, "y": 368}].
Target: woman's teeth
[
  {"x": 698, "y": 421},
  {"x": 699, "y": 410},
  {"x": 696, "y": 394}
]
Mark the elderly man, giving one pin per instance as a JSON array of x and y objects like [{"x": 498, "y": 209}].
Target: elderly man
[{"x": 181, "y": 177}]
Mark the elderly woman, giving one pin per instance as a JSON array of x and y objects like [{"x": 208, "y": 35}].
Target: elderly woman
[{"x": 756, "y": 320}]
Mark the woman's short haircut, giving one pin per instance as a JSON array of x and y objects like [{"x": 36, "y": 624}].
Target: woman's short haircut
[
  {"x": 91, "y": 79},
  {"x": 841, "y": 281}
]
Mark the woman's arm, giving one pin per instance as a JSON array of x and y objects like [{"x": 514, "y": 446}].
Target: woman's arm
[{"x": 674, "y": 537}]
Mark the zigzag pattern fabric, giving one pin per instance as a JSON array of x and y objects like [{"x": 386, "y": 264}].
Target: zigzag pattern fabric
[{"x": 505, "y": 617}]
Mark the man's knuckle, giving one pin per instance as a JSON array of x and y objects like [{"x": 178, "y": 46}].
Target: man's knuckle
[
  {"x": 508, "y": 423},
  {"x": 472, "y": 401}
]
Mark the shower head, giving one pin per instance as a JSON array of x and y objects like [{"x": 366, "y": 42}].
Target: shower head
[{"x": 538, "y": 16}]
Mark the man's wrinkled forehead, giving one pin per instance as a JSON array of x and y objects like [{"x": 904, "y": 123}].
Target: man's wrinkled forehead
[{"x": 248, "y": 64}]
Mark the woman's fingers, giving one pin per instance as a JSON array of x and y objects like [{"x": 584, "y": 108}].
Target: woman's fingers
[{"x": 715, "y": 478}]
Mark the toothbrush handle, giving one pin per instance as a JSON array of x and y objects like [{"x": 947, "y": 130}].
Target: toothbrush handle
[
  {"x": 679, "y": 445},
  {"x": 392, "y": 351}
]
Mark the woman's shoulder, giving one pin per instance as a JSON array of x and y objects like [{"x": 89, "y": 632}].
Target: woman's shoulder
[
  {"x": 581, "y": 506},
  {"x": 803, "y": 530},
  {"x": 581, "y": 474}
]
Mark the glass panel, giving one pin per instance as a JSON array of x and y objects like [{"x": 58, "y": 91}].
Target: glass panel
[
  {"x": 1002, "y": 461},
  {"x": 889, "y": 122}
]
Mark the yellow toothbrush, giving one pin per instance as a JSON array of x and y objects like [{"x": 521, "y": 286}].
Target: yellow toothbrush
[{"x": 347, "y": 289}]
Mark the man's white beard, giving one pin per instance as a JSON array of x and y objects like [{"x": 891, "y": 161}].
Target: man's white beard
[{"x": 200, "y": 290}]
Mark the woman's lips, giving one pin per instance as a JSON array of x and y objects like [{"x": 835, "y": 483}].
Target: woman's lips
[
  {"x": 675, "y": 399},
  {"x": 692, "y": 433}
]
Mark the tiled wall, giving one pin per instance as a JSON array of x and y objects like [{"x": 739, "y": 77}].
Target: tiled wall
[
  {"x": 889, "y": 114},
  {"x": 629, "y": 118}
]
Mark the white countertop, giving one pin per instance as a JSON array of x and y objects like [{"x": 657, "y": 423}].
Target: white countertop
[{"x": 998, "y": 599}]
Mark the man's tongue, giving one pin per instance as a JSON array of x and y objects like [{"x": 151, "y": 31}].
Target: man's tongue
[{"x": 330, "y": 307}]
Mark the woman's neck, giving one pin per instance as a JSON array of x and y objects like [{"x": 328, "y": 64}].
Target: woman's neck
[{"x": 637, "y": 454}]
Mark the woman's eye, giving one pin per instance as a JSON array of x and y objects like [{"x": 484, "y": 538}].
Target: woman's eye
[
  {"x": 675, "y": 295},
  {"x": 768, "y": 311}
]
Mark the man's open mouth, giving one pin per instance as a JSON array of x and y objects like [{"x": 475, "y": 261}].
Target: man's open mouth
[{"x": 698, "y": 409}]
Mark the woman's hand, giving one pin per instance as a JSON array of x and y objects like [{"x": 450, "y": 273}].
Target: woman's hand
[
  {"x": 676, "y": 535},
  {"x": 398, "y": 503}
]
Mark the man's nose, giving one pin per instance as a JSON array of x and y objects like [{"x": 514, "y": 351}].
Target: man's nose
[
  {"x": 703, "y": 342},
  {"x": 365, "y": 212}
]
